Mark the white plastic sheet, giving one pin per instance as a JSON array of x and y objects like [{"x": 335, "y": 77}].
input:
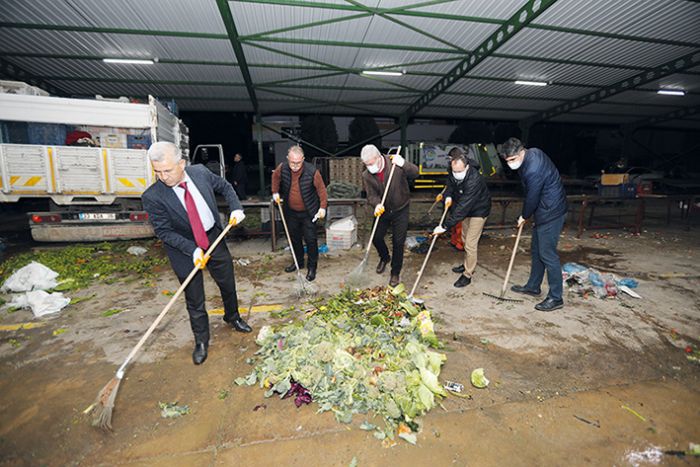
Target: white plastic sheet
[
  {"x": 33, "y": 276},
  {"x": 41, "y": 302}
]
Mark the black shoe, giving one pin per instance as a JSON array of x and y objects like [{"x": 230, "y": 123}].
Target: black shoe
[
  {"x": 311, "y": 274},
  {"x": 199, "y": 354},
  {"x": 382, "y": 265},
  {"x": 522, "y": 289},
  {"x": 292, "y": 267},
  {"x": 549, "y": 304},
  {"x": 463, "y": 281},
  {"x": 239, "y": 325},
  {"x": 458, "y": 269},
  {"x": 394, "y": 281}
]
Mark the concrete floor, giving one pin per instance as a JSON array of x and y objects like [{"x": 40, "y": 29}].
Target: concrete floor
[{"x": 565, "y": 386}]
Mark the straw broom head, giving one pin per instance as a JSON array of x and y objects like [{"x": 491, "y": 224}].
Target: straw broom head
[{"x": 103, "y": 406}]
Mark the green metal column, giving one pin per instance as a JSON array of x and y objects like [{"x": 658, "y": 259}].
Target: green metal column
[
  {"x": 403, "y": 122},
  {"x": 261, "y": 161}
]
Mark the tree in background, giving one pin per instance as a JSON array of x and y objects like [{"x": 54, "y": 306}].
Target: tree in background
[
  {"x": 362, "y": 129},
  {"x": 320, "y": 131}
]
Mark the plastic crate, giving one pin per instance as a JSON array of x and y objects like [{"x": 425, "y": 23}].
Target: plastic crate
[
  {"x": 338, "y": 211},
  {"x": 339, "y": 236},
  {"x": 624, "y": 190}
]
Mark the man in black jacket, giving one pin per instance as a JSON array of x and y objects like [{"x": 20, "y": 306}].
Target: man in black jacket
[
  {"x": 470, "y": 199},
  {"x": 182, "y": 208},
  {"x": 545, "y": 202}
]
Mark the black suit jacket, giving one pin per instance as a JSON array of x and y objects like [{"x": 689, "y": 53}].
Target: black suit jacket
[{"x": 169, "y": 217}]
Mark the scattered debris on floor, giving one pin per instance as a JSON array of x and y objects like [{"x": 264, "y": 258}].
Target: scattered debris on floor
[
  {"x": 172, "y": 410},
  {"x": 478, "y": 379},
  {"x": 356, "y": 352},
  {"x": 136, "y": 250},
  {"x": 585, "y": 281}
]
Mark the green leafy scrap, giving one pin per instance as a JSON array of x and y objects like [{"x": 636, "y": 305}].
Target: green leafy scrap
[{"x": 356, "y": 352}]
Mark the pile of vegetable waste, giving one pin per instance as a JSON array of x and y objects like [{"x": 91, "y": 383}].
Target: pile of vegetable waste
[{"x": 362, "y": 352}]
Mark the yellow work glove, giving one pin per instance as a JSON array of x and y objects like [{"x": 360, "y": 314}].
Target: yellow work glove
[
  {"x": 199, "y": 259},
  {"x": 438, "y": 198},
  {"x": 236, "y": 217},
  {"x": 379, "y": 210}
]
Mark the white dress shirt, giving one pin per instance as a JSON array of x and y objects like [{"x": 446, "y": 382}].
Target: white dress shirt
[{"x": 205, "y": 214}]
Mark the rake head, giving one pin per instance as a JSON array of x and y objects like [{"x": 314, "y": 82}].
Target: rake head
[
  {"x": 358, "y": 276},
  {"x": 304, "y": 287},
  {"x": 503, "y": 299}
]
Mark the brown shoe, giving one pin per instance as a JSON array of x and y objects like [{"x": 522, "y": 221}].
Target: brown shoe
[
  {"x": 394, "y": 281},
  {"x": 382, "y": 265}
]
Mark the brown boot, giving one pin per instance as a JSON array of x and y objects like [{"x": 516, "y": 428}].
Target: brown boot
[{"x": 394, "y": 281}]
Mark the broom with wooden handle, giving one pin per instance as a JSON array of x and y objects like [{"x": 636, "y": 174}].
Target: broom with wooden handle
[
  {"x": 103, "y": 406},
  {"x": 427, "y": 256},
  {"x": 357, "y": 276},
  {"x": 501, "y": 296}
]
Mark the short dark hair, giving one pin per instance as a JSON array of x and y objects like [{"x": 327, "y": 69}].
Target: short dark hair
[
  {"x": 511, "y": 147},
  {"x": 456, "y": 154}
]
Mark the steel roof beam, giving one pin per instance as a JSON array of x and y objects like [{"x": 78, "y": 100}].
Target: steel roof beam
[
  {"x": 475, "y": 19},
  {"x": 524, "y": 16},
  {"x": 629, "y": 84},
  {"x": 230, "y": 25},
  {"x": 677, "y": 114}
]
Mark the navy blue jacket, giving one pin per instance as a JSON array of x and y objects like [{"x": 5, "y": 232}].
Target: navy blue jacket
[
  {"x": 545, "y": 197},
  {"x": 169, "y": 217}
]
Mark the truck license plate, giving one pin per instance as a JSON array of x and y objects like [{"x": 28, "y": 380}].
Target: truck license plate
[{"x": 97, "y": 216}]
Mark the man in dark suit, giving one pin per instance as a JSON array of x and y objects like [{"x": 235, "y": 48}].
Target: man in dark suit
[
  {"x": 182, "y": 208},
  {"x": 545, "y": 203}
]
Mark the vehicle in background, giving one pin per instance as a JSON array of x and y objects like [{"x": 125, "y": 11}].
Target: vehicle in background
[{"x": 93, "y": 193}]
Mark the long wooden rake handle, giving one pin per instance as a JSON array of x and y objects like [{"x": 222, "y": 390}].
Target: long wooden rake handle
[
  {"x": 427, "y": 256},
  {"x": 185, "y": 283},
  {"x": 376, "y": 219},
  {"x": 289, "y": 238},
  {"x": 512, "y": 259}
]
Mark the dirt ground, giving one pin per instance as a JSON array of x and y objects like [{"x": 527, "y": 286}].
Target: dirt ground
[{"x": 601, "y": 382}]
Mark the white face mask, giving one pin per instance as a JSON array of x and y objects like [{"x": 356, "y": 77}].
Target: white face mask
[
  {"x": 374, "y": 169},
  {"x": 459, "y": 176},
  {"x": 515, "y": 165}
]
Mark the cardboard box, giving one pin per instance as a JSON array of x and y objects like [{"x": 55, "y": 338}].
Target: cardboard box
[{"x": 614, "y": 179}]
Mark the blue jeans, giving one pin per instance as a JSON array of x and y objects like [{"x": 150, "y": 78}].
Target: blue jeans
[{"x": 544, "y": 256}]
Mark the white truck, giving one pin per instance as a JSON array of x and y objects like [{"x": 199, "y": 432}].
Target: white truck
[{"x": 94, "y": 192}]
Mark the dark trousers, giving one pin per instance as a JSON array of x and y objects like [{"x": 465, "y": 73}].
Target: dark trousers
[
  {"x": 398, "y": 221},
  {"x": 220, "y": 267},
  {"x": 545, "y": 257},
  {"x": 301, "y": 227}
]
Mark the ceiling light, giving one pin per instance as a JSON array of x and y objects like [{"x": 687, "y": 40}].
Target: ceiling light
[
  {"x": 531, "y": 83},
  {"x": 133, "y": 61},
  {"x": 671, "y": 92},
  {"x": 383, "y": 73}
]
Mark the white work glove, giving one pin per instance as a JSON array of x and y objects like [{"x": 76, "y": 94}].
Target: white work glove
[
  {"x": 448, "y": 202},
  {"x": 276, "y": 198},
  {"x": 319, "y": 215},
  {"x": 439, "y": 230},
  {"x": 236, "y": 217},
  {"x": 520, "y": 221},
  {"x": 199, "y": 259},
  {"x": 397, "y": 159},
  {"x": 378, "y": 210}
]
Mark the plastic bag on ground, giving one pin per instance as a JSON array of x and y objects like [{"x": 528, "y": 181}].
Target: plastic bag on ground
[
  {"x": 41, "y": 303},
  {"x": 33, "y": 276},
  {"x": 136, "y": 250}
]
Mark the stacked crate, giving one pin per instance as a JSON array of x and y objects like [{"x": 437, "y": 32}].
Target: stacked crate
[{"x": 346, "y": 169}]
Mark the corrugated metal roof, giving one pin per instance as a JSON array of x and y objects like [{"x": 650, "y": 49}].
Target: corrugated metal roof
[
  {"x": 677, "y": 20},
  {"x": 509, "y": 88},
  {"x": 182, "y": 15},
  {"x": 563, "y": 45},
  {"x": 371, "y": 41},
  {"x": 497, "y": 67}
]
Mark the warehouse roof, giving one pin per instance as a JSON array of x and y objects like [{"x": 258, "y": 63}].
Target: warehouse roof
[{"x": 602, "y": 61}]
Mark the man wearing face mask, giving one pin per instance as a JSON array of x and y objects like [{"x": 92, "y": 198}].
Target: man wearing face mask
[
  {"x": 394, "y": 213},
  {"x": 305, "y": 200},
  {"x": 470, "y": 199},
  {"x": 545, "y": 202}
]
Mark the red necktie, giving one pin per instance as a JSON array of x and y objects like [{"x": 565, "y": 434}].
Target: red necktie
[{"x": 200, "y": 235}]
